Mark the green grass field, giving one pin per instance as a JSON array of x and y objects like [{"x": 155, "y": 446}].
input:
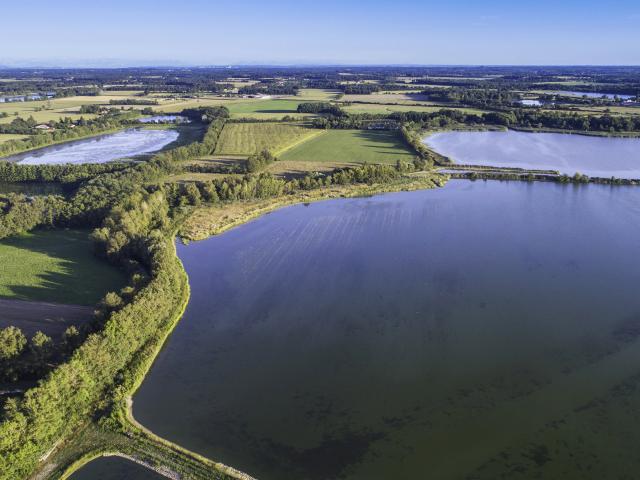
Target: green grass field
[
  {"x": 55, "y": 266},
  {"x": 258, "y": 108},
  {"x": 318, "y": 94},
  {"x": 5, "y": 137},
  {"x": 249, "y": 138},
  {"x": 395, "y": 98},
  {"x": 383, "y": 108},
  {"x": 372, "y": 146}
]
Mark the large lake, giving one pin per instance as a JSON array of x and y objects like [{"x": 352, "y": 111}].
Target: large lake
[
  {"x": 590, "y": 155},
  {"x": 100, "y": 149},
  {"x": 483, "y": 330}
]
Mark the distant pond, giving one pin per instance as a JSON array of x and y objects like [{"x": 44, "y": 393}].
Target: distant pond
[
  {"x": 608, "y": 96},
  {"x": 100, "y": 149},
  {"x": 590, "y": 155},
  {"x": 164, "y": 119},
  {"x": 468, "y": 332}
]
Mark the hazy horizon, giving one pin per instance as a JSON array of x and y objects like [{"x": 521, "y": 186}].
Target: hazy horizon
[
  {"x": 379, "y": 32},
  {"x": 115, "y": 64}
]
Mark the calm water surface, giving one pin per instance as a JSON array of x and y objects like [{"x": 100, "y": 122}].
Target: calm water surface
[
  {"x": 593, "y": 156},
  {"x": 483, "y": 330},
  {"x": 114, "y": 468},
  {"x": 100, "y": 149}
]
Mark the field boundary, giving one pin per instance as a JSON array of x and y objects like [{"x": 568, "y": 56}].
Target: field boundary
[{"x": 300, "y": 142}]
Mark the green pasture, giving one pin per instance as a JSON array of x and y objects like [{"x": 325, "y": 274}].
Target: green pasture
[
  {"x": 55, "y": 266},
  {"x": 358, "y": 146}
]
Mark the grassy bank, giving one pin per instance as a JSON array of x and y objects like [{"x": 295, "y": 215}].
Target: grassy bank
[
  {"x": 577, "y": 132},
  {"x": 122, "y": 435},
  {"x": 532, "y": 176},
  {"x": 206, "y": 221}
]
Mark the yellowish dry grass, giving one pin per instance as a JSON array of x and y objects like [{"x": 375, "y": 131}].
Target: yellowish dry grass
[
  {"x": 5, "y": 137},
  {"x": 249, "y": 138}
]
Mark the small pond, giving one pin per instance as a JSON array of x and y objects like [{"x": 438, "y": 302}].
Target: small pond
[{"x": 100, "y": 149}]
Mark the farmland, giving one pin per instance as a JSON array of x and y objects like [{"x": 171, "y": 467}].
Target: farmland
[
  {"x": 5, "y": 137},
  {"x": 392, "y": 98},
  {"x": 357, "y": 146},
  {"x": 382, "y": 108},
  {"x": 317, "y": 94},
  {"x": 52, "y": 110},
  {"x": 249, "y": 138},
  {"x": 265, "y": 109},
  {"x": 55, "y": 266}
]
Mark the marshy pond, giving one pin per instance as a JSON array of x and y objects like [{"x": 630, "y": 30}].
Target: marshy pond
[
  {"x": 590, "y": 155},
  {"x": 482, "y": 330},
  {"x": 100, "y": 149}
]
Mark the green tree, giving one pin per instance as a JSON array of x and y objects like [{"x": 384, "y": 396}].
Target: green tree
[
  {"x": 12, "y": 343},
  {"x": 41, "y": 347}
]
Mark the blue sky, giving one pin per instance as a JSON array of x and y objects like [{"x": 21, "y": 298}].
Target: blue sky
[{"x": 199, "y": 32}]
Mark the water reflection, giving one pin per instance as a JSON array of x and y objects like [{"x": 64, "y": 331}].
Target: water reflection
[
  {"x": 462, "y": 332},
  {"x": 593, "y": 156}
]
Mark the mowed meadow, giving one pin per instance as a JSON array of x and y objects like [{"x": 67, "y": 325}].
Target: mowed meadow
[
  {"x": 356, "y": 146},
  {"x": 55, "y": 266},
  {"x": 5, "y": 137},
  {"x": 250, "y": 138}
]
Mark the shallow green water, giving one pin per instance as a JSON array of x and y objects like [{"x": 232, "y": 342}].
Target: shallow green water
[{"x": 484, "y": 330}]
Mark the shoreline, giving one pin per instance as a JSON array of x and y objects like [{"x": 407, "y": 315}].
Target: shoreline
[
  {"x": 77, "y": 141},
  {"x": 5, "y": 158},
  {"x": 139, "y": 441},
  {"x": 112, "y": 131},
  {"x": 210, "y": 220},
  {"x": 514, "y": 172}
]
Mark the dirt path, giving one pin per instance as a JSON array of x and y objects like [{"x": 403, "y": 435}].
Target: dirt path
[{"x": 50, "y": 318}]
